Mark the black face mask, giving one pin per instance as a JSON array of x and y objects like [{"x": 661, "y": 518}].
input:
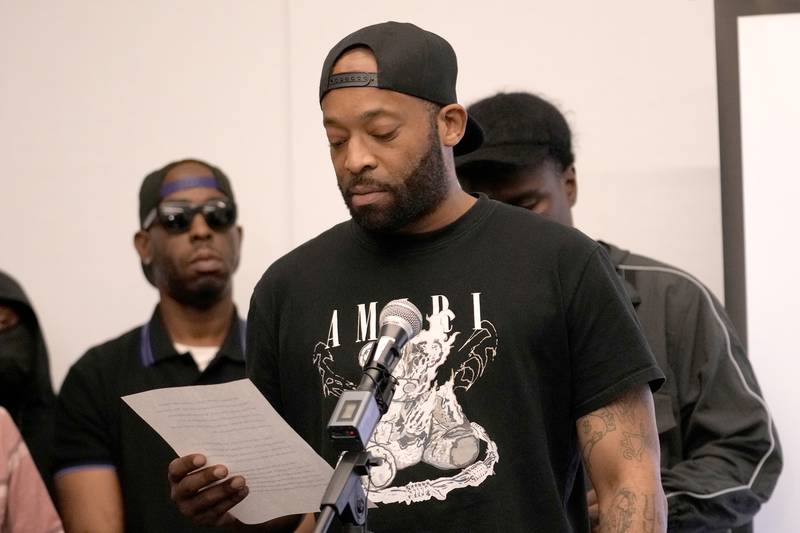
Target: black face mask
[{"x": 17, "y": 350}]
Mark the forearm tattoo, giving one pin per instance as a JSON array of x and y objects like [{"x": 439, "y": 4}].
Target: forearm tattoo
[
  {"x": 631, "y": 508},
  {"x": 594, "y": 427},
  {"x": 620, "y": 513},
  {"x": 633, "y": 444},
  {"x": 629, "y": 513},
  {"x": 620, "y": 414},
  {"x": 652, "y": 517}
]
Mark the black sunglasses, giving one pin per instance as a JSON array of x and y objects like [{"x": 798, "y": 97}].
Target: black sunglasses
[{"x": 177, "y": 217}]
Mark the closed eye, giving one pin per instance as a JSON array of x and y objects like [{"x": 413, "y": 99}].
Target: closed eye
[
  {"x": 388, "y": 136},
  {"x": 527, "y": 200}
]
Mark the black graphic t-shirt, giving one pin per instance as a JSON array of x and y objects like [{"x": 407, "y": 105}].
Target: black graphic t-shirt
[{"x": 526, "y": 329}]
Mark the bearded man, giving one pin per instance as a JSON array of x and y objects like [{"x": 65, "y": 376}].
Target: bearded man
[{"x": 547, "y": 364}]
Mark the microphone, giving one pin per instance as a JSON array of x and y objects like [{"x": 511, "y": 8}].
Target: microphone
[
  {"x": 400, "y": 321},
  {"x": 358, "y": 411}
]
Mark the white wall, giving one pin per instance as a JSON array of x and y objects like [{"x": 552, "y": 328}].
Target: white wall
[
  {"x": 770, "y": 83},
  {"x": 95, "y": 94}
]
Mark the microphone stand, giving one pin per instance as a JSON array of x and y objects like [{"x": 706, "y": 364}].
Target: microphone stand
[
  {"x": 352, "y": 424},
  {"x": 345, "y": 496}
]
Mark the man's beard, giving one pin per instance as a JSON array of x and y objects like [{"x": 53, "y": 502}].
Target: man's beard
[
  {"x": 422, "y": 191},
  {"x": 200, "y": 293}
]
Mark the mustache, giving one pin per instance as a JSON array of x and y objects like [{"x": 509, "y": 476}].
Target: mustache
[
  {"x": 202, "y": 246},
  {"x": 365, "y": 180}
]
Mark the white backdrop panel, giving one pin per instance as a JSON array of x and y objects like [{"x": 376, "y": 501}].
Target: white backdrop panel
[{"x": 769, "y": 83}]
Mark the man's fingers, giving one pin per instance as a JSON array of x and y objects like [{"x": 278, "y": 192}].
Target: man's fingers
[
  {"x": 181, "y": 466},
  {"x": 217, "y": 515},
  {"x": 594, "y": 507},
  {"x": 200, "y": 494},
  {"x": 200, "y": 481},
  {"x": 207, "y": 506},
  {"x": 594, "y": 513}
]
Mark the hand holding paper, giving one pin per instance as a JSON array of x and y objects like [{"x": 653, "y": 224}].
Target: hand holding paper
[{"x": 233, "y": 425}]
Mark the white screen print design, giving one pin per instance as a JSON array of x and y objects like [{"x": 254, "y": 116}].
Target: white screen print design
[{"x": 425, "y": 422}]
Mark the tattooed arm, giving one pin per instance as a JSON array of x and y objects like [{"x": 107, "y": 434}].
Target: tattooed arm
[{"x": 619, "y": 443}]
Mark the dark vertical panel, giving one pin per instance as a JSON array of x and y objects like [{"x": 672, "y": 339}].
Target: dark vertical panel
[{"x": 730, "y": 152}]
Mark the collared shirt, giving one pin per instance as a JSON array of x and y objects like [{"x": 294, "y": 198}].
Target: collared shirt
[{"x": 96, "y": 429}]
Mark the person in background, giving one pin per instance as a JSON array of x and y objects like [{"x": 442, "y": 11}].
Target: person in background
[
  {"x": 26, "y": 391},
  {"x": 25, "y": 505},
  {"x": 720, "y": 457},
  {"x": 110, "y": 464}
]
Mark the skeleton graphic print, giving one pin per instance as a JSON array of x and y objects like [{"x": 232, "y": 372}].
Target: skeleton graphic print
[{"x": 425, "y": 422}]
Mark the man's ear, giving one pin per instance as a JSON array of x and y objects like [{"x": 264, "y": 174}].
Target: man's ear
[
  {"x": 571, "y": 185},
  {"x": 452, "y": 120},
  {"x": 142, "y": 243}
]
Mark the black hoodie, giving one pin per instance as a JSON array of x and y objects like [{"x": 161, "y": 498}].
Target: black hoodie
[{"x": 32, "y": 410}]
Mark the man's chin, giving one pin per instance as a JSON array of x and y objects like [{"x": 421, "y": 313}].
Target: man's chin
[
  {"x": 204, "y": 291},
  {"x": 375, "y": 222}
]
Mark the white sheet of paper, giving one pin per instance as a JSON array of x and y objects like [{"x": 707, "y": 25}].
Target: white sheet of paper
[{"x": 233, "y": 424}]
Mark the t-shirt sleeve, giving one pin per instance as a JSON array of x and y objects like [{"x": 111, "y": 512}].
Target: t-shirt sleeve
[
  {"x": 609, "y": 354},
  {"x": 262, "y": 343},
  {"x": 83, "y": 426}
]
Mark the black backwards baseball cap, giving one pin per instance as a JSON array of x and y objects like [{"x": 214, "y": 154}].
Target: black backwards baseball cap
[
  {"x": 521, "y": 129},
  {"x": 410, "y": 61},
  {"x": 154, "y": 189}
]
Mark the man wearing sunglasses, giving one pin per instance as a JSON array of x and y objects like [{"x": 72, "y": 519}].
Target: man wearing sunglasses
[{"x": 110, "y": 465}]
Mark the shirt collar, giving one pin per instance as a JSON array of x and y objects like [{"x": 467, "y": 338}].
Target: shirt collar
[{"x": 155, "y": 344}]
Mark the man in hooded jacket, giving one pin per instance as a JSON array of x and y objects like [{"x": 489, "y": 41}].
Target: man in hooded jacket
[{"x": 26, "y": 391}]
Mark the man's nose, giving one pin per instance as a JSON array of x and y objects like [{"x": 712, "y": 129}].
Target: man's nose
[
  {"x": 359, "y": 157},
  {"x": 199, "y": 228}
]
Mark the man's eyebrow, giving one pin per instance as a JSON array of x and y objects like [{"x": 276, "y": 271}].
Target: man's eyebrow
[
  {"x": 369, "y": 115},
  {"x": 366, "y": 116}
]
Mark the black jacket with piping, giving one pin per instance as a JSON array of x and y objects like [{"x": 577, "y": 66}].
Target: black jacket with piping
[{"x": 720, "y": 455}]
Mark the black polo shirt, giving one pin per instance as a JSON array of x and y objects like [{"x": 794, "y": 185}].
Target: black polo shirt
[{"x": 96, "y": 429}]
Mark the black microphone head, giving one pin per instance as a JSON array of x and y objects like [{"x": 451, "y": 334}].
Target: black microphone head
[{"x": 404, "y": 314}]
